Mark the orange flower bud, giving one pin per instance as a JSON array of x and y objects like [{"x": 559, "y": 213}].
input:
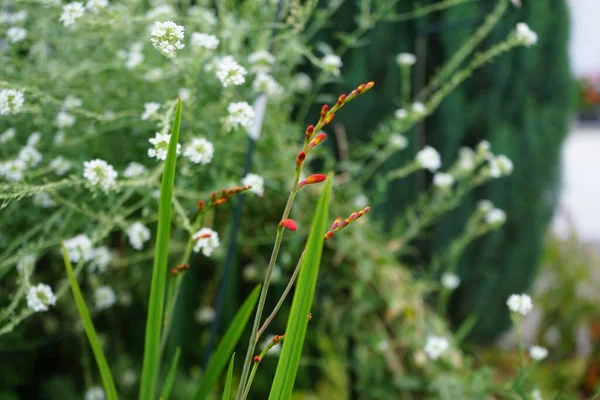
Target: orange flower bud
[
  {"x": 329, "y": 119},
  {"x": 309, "y": 132},
  {"x": 328, "y": 235},
  {"x": 256, "y": 359},
  {"x": 201, "y": 206},
  {"x": 324, "y": 111},
  {"x": 288, "y": 223},
  {"x": 174, "y": 271},
  {"x": 341, "y": 100},
  {"x": 317, "y": 139},
  {"x": 315, "y": 178},
  {"x": 335, "y": 224},
  {"x": 300, "y": 159}
]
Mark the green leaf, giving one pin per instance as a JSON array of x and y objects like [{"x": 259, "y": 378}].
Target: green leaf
[
  {"x": 105, "y": 374},
  {"x": 221, "y": 355},
  {"x": 289, "y": 360},
  {"x": 151, "y": 364},
  {"x": 170, "y": 379},
  {"x": 227, "y": 390}
]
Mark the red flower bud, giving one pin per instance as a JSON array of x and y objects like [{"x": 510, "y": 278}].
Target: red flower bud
[
  {"x": 315, "y": 178},
  {"x": 288, "y": 223},
  {"x": 328, "y": 235},
  {"x": 256, "y": 359},
  {"x": 369, "y": 85},
  {"x": 324, "y": 110},
  {"x": 335, "y": 224},
  {"x": 201, "y": 206},
  {"x": 341, "y": 100},
  {"x": 329, "y": 119},
  {"x": 317, "y": 139},
  {"x": 309, "y": 132},
  {"x": 174, "y": 271},
  {"x": 300, "y": 159}
]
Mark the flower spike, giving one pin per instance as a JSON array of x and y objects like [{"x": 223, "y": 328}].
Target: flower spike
[{"x": 338, "y": 224}]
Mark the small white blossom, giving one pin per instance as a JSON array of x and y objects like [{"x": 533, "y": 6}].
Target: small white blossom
[
  {"x": 241, "y": 114},
  {"x": 95, "y": 6},
  {"x": 204, "y": 315},
  {"x": 95, "y": 393},
  {"x": 134, "y": 56},
  {"x": 34, "y": 139},
  {"x": 383, "y": 346},
  {"x": 129, "y": 377},
  {"x": 100, "y": 173},
  {"x": 360, "y": 201},
  {"x": 207, "y": 240},
  {"x": 150, "y": 110},
  {"x": 261, "y": 61},
  {"x": 154, "y": 75},
  {"x": 60, "y": 165},
  {"x": 72, "y": 102},
  {"x": 536, "y": 394},
  {"x": 250, "y": 273},
  {"x": 166, "y": 37},
  {"x": 138, "y": 234},
  {"x": 332, "y": 64},
  {"x": 199, "y": 151},
  {"x": 302, "y": 82},
  {"x": 466, "y": 159},
  {"x": 8, "y": 135},
  {"x": 256, "y": 181},
  {"x": 134, "y": 170},
  {"x": 161, "y": 146},
  {"x": 525, "y": 35},
  {"x": 406, "y": 59},
  {"x": 429, "y": 158},
  {"x": 11, "y": 101},
  {"x": 484, "y": 149},
  {"x": 495, "y": 217},
  {"x": 79, "y": 248},
  {"x": 16, "y": 34},
  {"x": 230, "y": 72},
  {"x": 520, "y": 303},
  {"x": 104, "y": 297},
  {"x": 450, "y": 281},
  {"x": 443, "y": 180},
  {"x": 59, "y": 138},
  {"x": 64, "y": 119},
  {"x": 13, "y": 170},
  {"x": 185, "y": 94},
  {"x": 266, "y": 84},
  {"x": 485, "y": 206},
  {"x": 40, "y": 297},
  {"x": 100, "y": 260},
  {"x": 504, "y": 164},
  {"x": 436, "y": 346},
  {"x": 419, "y": 108},
  {"x": 71, "y": 13},
  {"x": 30, "y": 156},
  {"x": 397, "y": 141},
  {"x": 43, "y": 200},
  {"x": 538, "y": 353},
  {"x": 401, "y": 113},
  {"x": 204, "y": 41}
]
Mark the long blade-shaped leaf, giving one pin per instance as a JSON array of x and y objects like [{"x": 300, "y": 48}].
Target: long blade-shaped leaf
[
  {"x": 151, "y": 364},
  {"x": 170, "y": 379},
  {"x": 221, "y": 355},
  {"x": 227, "y": 390},
  {"x": 105, "y": 374},
  {"x": 289, "y": 360}
]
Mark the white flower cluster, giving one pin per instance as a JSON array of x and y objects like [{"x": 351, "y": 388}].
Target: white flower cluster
[
  {"x": 150, "y": 110},
  {"x": 204, "y": 315},
  {"x": 154, "y": 75},
  {"x": 435, "y": 346},
  {"x": 406, "y": 59},
  {"x": 104, "y": 297},
  {"x": 525, "y": 35},
  {"x": 16, "y": 34},
  {"x": 134, "y": 170},
  {"x": 495, "y": 217},
  {"x": 160, "y": 143},
  {"x": 199, "y": 151},
  {"x": 204, "y": 41},
  {"x": 266, "y": 84},
  {"x": 207, "y": 240},
  {"x": 79, "y": 248},
  {"x": 450, "y": 281},
  {"x": 332, "y": 64},
  {"x": 64, "y": 119},
  {"x": 500, "y": 166},
  {"x": 18, "y": 17},
  {"x": 95, "y": 393},
  {"x": 60, "y": 165},
  {"x": 466, "y": 159},
  {"x": 100, "y": 173},
  {"x": 520, "y": 303},
  {"x": 8, "y": 135},
  {"x": 11, "y": 101},
  {"x": 443, "y": 180},
  {"x": 138, "y": 234},
  {"x": 161, "y": 11},
  {"x": 538, "y": 353},
  {"x": 301, "y": 82},
  {"x": 28, "y": 157},
  {"x": 241, "y": 114},
  {"x": 261, "y": 61},
  {"x": 134, "y": 56},
  {"x": 100, "y": 259},
  {"x": 166, "y": 37},
  {"x": 429, "y": 158},
  {"x": 256, "y": 182},
  {"x": 95, "y": 6},
  {"x": 230, "y": 72},
  {"x": 397, "y": 141},
  {"x": 43, "y": 200},
  {"x": 71, "y": 12},
  {"x": 40, "y": 297}
]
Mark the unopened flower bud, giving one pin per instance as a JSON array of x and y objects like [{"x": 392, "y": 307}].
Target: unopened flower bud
[
  {"x": 328, "y": 235},
  {"x": 329, "y": 119},
  {"x": 316, "y": 140},
  {"x": 309, "y": 132},
  {"x": 314, "y": 178},
  {"x": 335, "y": 224},
  {"x": 324, "y": 111},
  {"x": 256, "y": 359},
  {"x": 341, "y": 100},
  {"x": 201, "y": 206},
  {"x": 288, "y": 223},
  {"x": 300, "y": 159}
]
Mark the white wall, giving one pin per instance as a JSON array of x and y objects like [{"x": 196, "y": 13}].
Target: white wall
[{"x": 585, "y": 37}]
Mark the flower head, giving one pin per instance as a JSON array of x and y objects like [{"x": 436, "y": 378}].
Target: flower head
[
  {"x": 150, "y": 110},
  {"x": 40, "y": 297},
  {"x": 429, "y": 158},
  {"x": 161, "y": 146},
  {"x": 138, "y": 234},
  {"x": 71, "y": 13},
  {"x": 30, "y": 156},
  {"x": 436, "y": 346},
  {"x": 302, "y": 82},
  {"x": 8, "y": 135},
  {"x": 450, "y": 281},
  {"x": 397, "y": 141},
  {"x": 261, "y": 61},
  {"x": 419, "y": 108},
  {"x": 207, "y": 240},
  {"x": 230, "y": 72},
  {"x": 16, "y": 34},
  {"x": 104, "y": 297},
  {"x": 43, "y": 200},
  {"x": 199, "y": 151},
  {"x": 134, "y": 170},
  {"x": 100, "y": 173},
  {"x": 11, "y": 101},
  {"x": 466, "y": 159},
  {"x": 166, "y": 37},
  {"x": 406, "y": 59},
  {"x": 205, "y": 314},
  {"x": 241, "y": 114},
  {"x": 401, "y": 113},
  {"x": 64, "y": 119},
  {"x": 13, "y": 170},
  {"x": 266, "y": 84},
  {"x": 256, "y": 182},
  {"x": 100, "y": 259},
  {"x": 485, "y": 206},
  {"x": 495, "y": 217},
  {"x": 60, "y": 165},
  {"x": 443, "y": 180},
  {"x": 525, "y": 35},
  {"x": 95, "y": 6},
  {"x": 79, "y": 248},
  {"x": 204, "y": 41},
  {"x": 520, "y": 303},
  {"x": 95, "y": 393},
  {"x": 332, "y": 64},
  {"x": 538, "y": 353}
]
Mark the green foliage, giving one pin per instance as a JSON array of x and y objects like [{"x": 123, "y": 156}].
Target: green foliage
[
  {"x": 171, "y": 375},
  {"x": 229, "y": 379}
]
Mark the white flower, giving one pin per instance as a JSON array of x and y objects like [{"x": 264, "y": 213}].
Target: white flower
[
  {"x": 204, "y": 41},
  {"x": 138, "y": 234},
  {"x": 26, "y": 263},
  {"x": 504, "y": 164},
  {"x": 185, "y": 94},
  {"x": 7, "y": 135},
  {"x": 64, "y": 119},
  {"x": 429, "y": 158},
  {"x": 204, "y": 314},
  {"x": 40, "y": 297},
  {"x": 134, "y": 56},
  {"x": 520, "y": 303},
  {"x": 11, "y": 101},
  {"x": 273, "y": 351},
  {"x": 332, "y": 64},
  {"x": 134, "y": 170},
  {"x": 241, "y": 114},
  {"x": 419, "y": 108},
  {"x": 154, "y": 75},
  {"x": 59, "y": 138},
  {"x": 485, "y": 206},
  {"x": 104, "y": 297},
  {"x": 43, "y": 200},
  {"x": 15, "y": 34},
  {"x": 406, "y": 59},
  {"x": 72, "y": 102},
  {"x": 150, "y": 110},
  {"x": 129, "y": 377},
  {"x": 13, "y": 18},
  {"x": 383, "y": 346},
  {"x": 95, "y": 6},
  {"x": 360, "y": 201},
  {"x": 95, "y": 393},
  {"x": 401, "y": 113},
  {"x": 250, "y": 273},
  {"x": 79, "y": 248},
  {"x": 100, "y": 173},
  {"x": 443, "y": 180},
  {"x": 466, "y": 159},
  {"x": 495, "y": 217},
  {"x": 230, "y": 72},
  {"x": 71, "y": 13},
  {"x": 166, "y": 37},
  {"x": 450, "y": 281},
  {"x": 525, "y": 35},
  {"x": 161, "y": 146},
  {"x": 536, "y": 394},
  {"x": 34, "y": 139},
  {"x": 13, "y": 170},
  {"x": 100, "y": 259},
  {"x": 266, "y": 84},
  {"x": 484, "y": 149},
  {"x": 397, "y": 141},
  {"x": 30, "y": 156},
  {"x": 538, "y": 353},
  {"x": 60, "y": 165},
  {"x": 261, "y": 61},
  {"x": 199, "y": 151},
  {"x": 436, "y": 346},
  {"x": 302, "y": 82},
  {"x": 256, "y": 182},
  {"x": 207, "y": 240}
]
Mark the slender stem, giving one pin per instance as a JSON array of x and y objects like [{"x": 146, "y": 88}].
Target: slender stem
[
  {"x": 281, "y": 299},
  {"x": 264, "y": 352},
  {"x": 405, "y": 74}
]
